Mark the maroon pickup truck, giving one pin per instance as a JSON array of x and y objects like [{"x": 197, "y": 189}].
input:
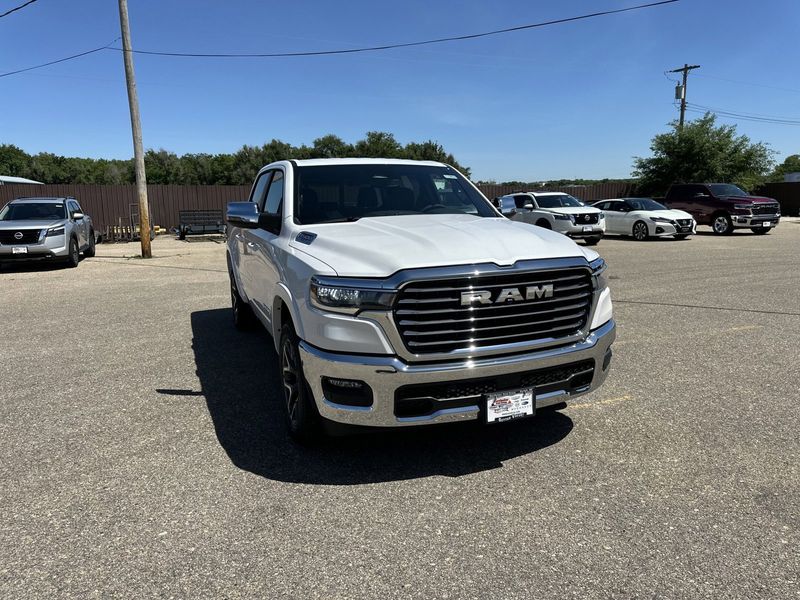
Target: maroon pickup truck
[{"x": 724, "y": 207}]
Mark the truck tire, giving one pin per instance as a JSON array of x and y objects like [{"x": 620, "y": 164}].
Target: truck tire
[
  {"x": 721, "y": 224},
  {"x": 640, "y": 232},
  {"x": 592, "y": 241},
  {"x": 760, "y": 230},
  {"x": 74, "y": 254},
  {"x": 243, "y": 317},
  {"x": 90, "y": 249},
  {"x": 302, "y": 419}
]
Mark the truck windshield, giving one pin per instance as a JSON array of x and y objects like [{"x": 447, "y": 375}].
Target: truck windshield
[
  {"x": 33, "y": 211},
  {"x": 335, "y": 193},
  {"x": 558, "y": 201},
  {"x": 726, "y": 189}
]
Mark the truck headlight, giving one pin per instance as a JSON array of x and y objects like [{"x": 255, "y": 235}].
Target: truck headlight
[
  {"x": 599, "y": 267},
  {"x": 747, "y": 207},
  {"x": 341, "y": 296}
]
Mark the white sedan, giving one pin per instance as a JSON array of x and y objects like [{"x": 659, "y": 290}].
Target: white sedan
[{"x": 644, "y": 218}]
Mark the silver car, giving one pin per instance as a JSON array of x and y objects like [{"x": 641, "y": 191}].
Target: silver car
[{"x": 49, "y": 229}]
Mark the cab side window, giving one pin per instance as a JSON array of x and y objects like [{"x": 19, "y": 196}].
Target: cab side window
[
  {"x": 73, "y": 208},
  {"x": 521, "y": 200},
  {"x": 274, "y": 199},
  {"x": 260, "y": 189}
]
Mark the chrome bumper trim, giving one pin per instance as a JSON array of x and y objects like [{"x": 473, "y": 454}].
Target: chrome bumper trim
[{"x": 384, "y": 374}]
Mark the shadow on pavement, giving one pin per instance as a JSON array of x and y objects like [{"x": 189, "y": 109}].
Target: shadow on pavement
[{"x": 241, "y": 385}]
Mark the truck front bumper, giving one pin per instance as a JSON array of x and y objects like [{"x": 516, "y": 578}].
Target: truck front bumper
[
  {"x": 755, "y": 220},
  {"x": 407, "y": 394}
]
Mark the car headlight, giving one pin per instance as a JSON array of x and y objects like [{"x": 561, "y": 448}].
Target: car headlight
[
  {"x": 563, "y": 217},
  {"x": 660, "y": 220},
  {"x": 599, "y": 267},
  {"x": 54, "y": 231},
  {"x": 346, "y": 296}
]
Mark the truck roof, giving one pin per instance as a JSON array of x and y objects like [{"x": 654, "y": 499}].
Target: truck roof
[{"x": 321, "y": 162}]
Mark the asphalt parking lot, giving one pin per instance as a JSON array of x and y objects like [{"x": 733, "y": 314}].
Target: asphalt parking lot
[{"x": 143, "y": 455}]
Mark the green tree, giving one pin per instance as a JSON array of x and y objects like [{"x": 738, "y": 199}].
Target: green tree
[
  {"x": 702, "y": 151},
  {"x": 790, "y": 165},
  {"x": 378, "y": 144},
  {"x": 14, "y": 162}
]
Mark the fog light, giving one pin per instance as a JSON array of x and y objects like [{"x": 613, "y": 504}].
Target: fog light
[
  {"x": 659, "y": 230},
  {"x": 349, "y": 392}
]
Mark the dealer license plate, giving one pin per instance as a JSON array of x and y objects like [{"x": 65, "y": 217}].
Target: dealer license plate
[
  {"x": 767, "y": 224},
  {"x": 505, "y": 406},
  {"x": 19, "y": 250},
  {"x": 587, "y": 229}
]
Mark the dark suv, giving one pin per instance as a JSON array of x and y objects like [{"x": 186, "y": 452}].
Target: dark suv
[{"x": 724, "y": 207}]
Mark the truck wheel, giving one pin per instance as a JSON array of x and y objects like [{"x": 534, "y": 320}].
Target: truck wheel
[
  {"x": 90, "y": 250},
  {"x": 640, "y": 232},
  {"x": 243, "y": 317},
  {"x": 544, "y": 224},
  {"x": 592, "y": 241},
  {"x": 302, "y": 419},
  {"x": 760, "y": 230},
  {"x": 74, "y": 254},
  {"x": 722, "y": 224}
]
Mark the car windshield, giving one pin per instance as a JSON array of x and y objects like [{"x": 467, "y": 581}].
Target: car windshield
[
  {"x": 645, "y": 204},
  {"x": 557, "y": 201},
  {"x": 726, "y": 189},
  {"x": 33, "y": 211},
  {"x": 335, "y": 193}
]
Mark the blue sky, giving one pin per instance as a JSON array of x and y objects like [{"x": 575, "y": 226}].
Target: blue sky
[{"x": 573, "y": 100}]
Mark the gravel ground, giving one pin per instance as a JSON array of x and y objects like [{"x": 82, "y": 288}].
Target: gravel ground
[{"x": 143, "y": 456}]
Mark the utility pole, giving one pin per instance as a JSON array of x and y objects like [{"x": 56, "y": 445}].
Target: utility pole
[
  {"x": 136, "y": 127},
  {"x": 685, "y": 70}
]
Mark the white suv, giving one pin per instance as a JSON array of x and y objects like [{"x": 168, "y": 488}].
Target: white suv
[
  {"x": 398, "y": 296},
  {"x": 557, "y": 211}
]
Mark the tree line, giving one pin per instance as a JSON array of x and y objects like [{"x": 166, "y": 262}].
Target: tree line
[
  {"x": 700, "y": 152},
  {"x": 239, "y": 168}
]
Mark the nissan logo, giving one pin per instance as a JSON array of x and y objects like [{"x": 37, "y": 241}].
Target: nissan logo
[{"x": 18, "y": 235}]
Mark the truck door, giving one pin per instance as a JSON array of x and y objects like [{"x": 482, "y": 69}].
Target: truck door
[
  {"x": 262, "y": 263},
  {"x": 243, "y": 251}
]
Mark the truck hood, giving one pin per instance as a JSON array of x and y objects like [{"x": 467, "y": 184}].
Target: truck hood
[
  {"x": 753, "y": 199},
  {"x": 31, "y": 224},
  {"x": 379, "y": 247}
]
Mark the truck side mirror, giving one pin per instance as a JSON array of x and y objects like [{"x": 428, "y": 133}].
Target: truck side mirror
[
  {"x": 700, "y": 195},
  {"x": 242, "y": 214}
]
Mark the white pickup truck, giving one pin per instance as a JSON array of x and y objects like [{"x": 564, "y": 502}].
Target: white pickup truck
[{"x": 397, "y": 295}]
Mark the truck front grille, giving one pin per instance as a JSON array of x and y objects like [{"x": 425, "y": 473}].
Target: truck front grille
[
  {"x": 431, "y": 318},
  {"x": 9, "y": 237},
  {"x": 766, "y": 209}
]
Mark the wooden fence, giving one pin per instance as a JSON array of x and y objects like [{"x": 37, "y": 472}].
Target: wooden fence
[{"x": 786, "y": 193}]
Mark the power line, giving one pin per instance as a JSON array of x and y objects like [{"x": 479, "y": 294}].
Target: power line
[
  {"x": 762, "y": 85},
  {"x": 20, "y": 7},
  {"x": 698, "y": 108},
  {"x": 350, "y": 50},
  {"x": 60, "y": 60},
  {"x": 407, "y": 44}
]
